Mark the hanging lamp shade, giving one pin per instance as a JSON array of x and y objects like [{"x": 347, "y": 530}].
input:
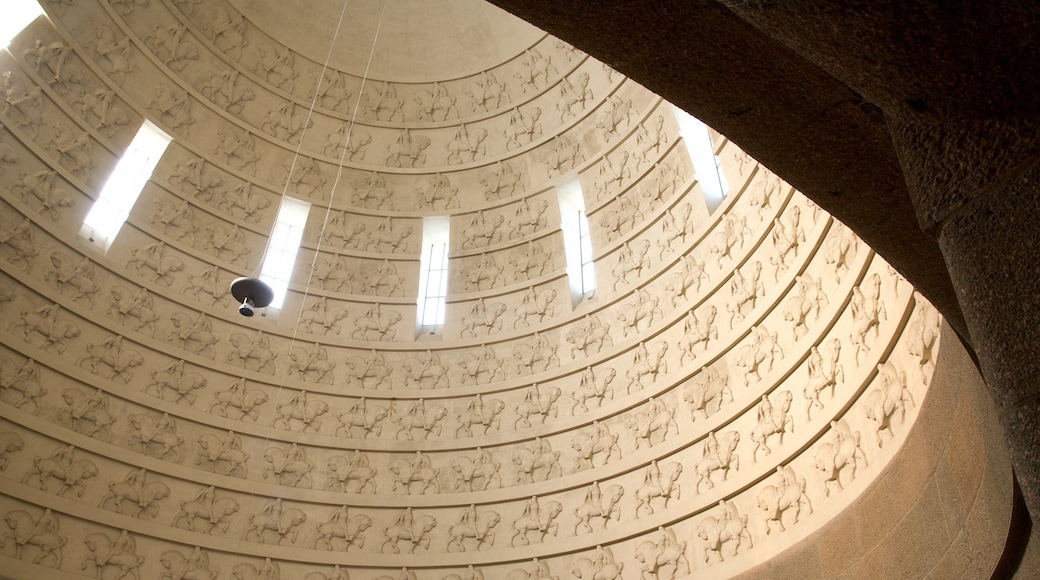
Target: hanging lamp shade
[{"x": 253, "y": 291}]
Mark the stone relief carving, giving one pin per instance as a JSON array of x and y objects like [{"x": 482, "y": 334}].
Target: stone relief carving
[
  {"x": 886, "y": 398},
  {"x": 342, "y": 526},
  {"x": 500, "y": 181},
  {"x": 923, "y": 333},
  {"x": 113, "y": 52},
  {"x": 486, "y": 92},
  {"x": 180, "y": 567},
  {"x": 74, "y": 152},
  {"x": 537, "y": 403},
  {"x": 28, "y": 103},
  {"x": 361, "y": 415},
  {"x": 300, "y": 412},
  {"x": 535, "y": 303},
  {"x": 227, "y": 243},
  {"x": 276, "y": 65},
  {"x": 284, "y": 522},
  {"x": 253, "y": 354},
  {"x": 536, "y": 354},
  {"x": 729, "y": 236},
  {"x": 630, "y": 260},
  {"x": 596, "y": 504},
  {"x": 645, "y": 307},
  {"x": 134, "y": 495},
  {"x": 787, "y": 494},
  {"x": 534, "y": 66},
  {"x": 61, "y": 472},
  {"x": 425, "y": 371},
  {"x": 10, "y": 442},
  {"x": 192, "y": 176},
  {"x": 717, "y": 457},
  {"x": 386, "y": 238},
  {"x": 194, "y": 333},
  {"x": 241, "y": 202},
  {"x": 170, "y": 45},
  {"x": 311, "y": 364},
  {"x": 374, "y": 325},
  {"x": 407, "y": 150},
  {"x": 172, "y": 107},
  {"x": 707, "y": 394},
  {"x": 611, "y": 175},
  {"x": 531, "y": 263},
  {"x": 426, "y": 418},
  {"x": 76, "y": 275},
  {"x": 593, "y": 441},
  {"x": 332, "y": 273},
  {"x": 527, "y": 220},
  {"x": 839, "y": 249},
  {"x": 173, "y": 380},
  {"x": 536, "y": 518},
  {"x": 225, "y": 90},
  {"x": 761, "y": 353},
  {"x": 653, "y": 424},
  {"x": 536, "y": 462},
  {"x": 592, "y": 388},
  {"x": 590, "y": 332},
  {"x": 22, "y": 380},
  {"x": 437, "y": 189},
  {"x": 417, "y": 471},
  {"x": 807, "y": 298},
  {"x": 228, "y": 32},
  {"x": 405, "y": 574},
  {"x": 658, "y": 485},
  {"x": 157, "y": 438},
  {"x": 369, "y": 189},
  {"x": 206, "y": 512},
  {"x": 787, "y": 235},
  {"x": 822, "y": 374},
  {"x": 238, "y": 148},
  {"x": 562, "y": 154},
  {"x": 52, "y": 61},
  {"x": 18, "y": 237},
  {"x": 153, "y": 258},
  {"x": 343, "y": 228},
  {"x": 482, "y": 232},
  {"x": 415, "y": 530},
  {"x": 207, "y": 283},
  {"x": 318, "y": 318},
  {"x": 88, "y": 413},
  {"x": 288, "y": 467},
  {"x": 615, "y": 111},
  {"x": 110, "y": 353},
  {"x": 675, "y": 229},
  {"x": 525, "y": 126},
  {"x": 646, "y": 364},
  {"x": 867, "y": 313},
  {"x": 730, "y": 527},
  {"x": 246, "y": 401},
  {"x": 649, "y": 140},
  {"x": 467, "y": 146},
  {"x": 480, "y": 468},
  {"x": 745, "y": 289},
  {"x": 697, "y": 330},
  {"x": 663, "y": 558},
  {"x": 8, "y": 156},
  {"x": 604, "y": 566},
  {"x": 177, "y": 219},
  {"x": 382, "y": 100},
  {"x": 106, "y": 554},
  {"x": 287, "y": 123},
  {"x": 839, "y": 454},
  {"x": 369, "y": 371},
  {"x": 269, "y": 570},
  {"x": 42, "y": 534},
  {"x": 334, "y": 93},
  {"x": 351, "y": 474},
  {"x": 619, "y": 217},
  {"x": 473, "y": 525},
  {"x": 483, "y": 275},
  {"x": 774, "y": 418},
  {"x": 435, "y": 104},
  {"x": 486, "y": 319},
  {"x": 478, "y": 413},
  {"x": 222, "y": 454},
  {"x": 56, "y": 332},
  {"x": 763, "y": 190},
  {"x": 98, "y": 108}
]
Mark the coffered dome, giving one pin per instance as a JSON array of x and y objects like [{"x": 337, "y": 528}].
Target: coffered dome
[{"x": 745, "y": 371}]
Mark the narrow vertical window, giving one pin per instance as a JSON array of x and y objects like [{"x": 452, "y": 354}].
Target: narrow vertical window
[
  {"x": 286, "y": 236},
  {"x": 433, "y": 274},
  {"x": 117, "y": 198},
  {"x": 701, "y": 148},
  {"x": 17, "y": 15},
  {"x": 577, "y": 243}
]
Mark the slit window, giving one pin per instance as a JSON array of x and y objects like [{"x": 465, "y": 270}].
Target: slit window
[
  {"x": 433, "y": 274},
  {"x": 17, "y": 15},
  {"x": 577, "y": 241},
  {"x": 286, "y": 236},
  {"x": 706, "y": 164},
  {"x": 120, "y": 193}
]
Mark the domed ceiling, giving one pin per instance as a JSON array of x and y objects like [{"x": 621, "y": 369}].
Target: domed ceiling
[{"x": 738, "y": 378}]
